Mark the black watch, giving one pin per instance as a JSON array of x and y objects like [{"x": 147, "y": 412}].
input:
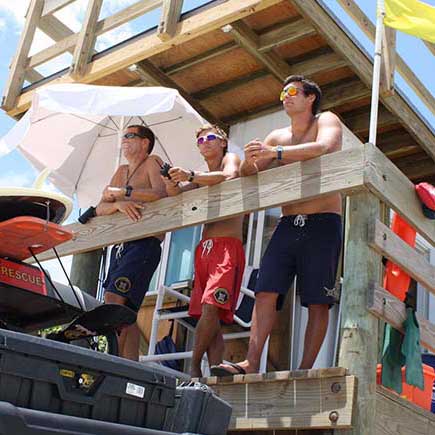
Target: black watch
[
  {"x": 191, "y": 176},
  {"x": 128, "y": 190}
]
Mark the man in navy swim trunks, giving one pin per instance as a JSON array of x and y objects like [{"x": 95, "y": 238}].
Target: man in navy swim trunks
[
  {"x": 307, "y": 241},
  {"x": 132, "y": 264}
]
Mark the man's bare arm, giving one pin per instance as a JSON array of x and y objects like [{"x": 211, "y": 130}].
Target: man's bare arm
[
  {"x": 255, "y": 158},
  {"x": 328, "y": 139},
  {"x": 231, "y": 164}
]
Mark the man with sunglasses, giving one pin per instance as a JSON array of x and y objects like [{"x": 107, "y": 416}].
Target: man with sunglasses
[
  {"x": 219, "y": 256},
  {"x": 307, "y": 241},
  {"x": 132, "y": 264}
]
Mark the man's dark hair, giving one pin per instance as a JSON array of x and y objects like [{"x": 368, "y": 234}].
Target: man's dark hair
[
  {"x": 146, "y": 133},
  {"x": 310, "y": 88}
]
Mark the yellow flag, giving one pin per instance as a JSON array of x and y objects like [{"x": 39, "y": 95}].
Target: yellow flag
[{"x": 411, "y": 16}]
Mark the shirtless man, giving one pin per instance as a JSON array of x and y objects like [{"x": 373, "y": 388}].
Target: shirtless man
[
  {"x": 132, "y": 264},
  {"x": 307, "y": 240},
  {"x": 219, "y": 256}
]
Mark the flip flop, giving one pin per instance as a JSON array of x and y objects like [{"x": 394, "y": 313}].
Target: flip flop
[{"x": 220, "y": 371}]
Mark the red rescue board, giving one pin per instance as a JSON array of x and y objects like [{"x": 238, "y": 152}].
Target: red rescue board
[{"x": 19, "y": 234}]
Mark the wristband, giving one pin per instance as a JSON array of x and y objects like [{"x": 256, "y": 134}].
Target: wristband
[
  {"x": 128, "y": 190},
  {"x": 191, "y": 176},
  {"x": 279, "y": 151}
]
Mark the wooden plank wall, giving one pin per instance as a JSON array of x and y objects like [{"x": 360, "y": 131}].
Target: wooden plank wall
[{"x": 305, "y": 399}]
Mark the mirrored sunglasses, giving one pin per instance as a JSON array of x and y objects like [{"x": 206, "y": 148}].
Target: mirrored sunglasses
[
  {"x": 291, "y": 90},
  {"x": 132, "y": 135},
  {"x": 207, "y": 138}
]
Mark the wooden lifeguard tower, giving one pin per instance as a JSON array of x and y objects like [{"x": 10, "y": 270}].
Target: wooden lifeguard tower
[{"x": 228, "y": 58}]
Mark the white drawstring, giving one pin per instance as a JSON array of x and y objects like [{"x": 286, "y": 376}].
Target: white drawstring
[
  {"x": 119, "y": 250},
  {"x": 300, "y": 220},
  {"x": 207, "y": 245}
]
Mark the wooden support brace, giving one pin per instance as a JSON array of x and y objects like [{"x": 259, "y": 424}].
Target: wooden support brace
[
  {"x": 430, "y": 46},
  {"x": 155, "y": 77},
  {"x": 250, "y": 41},
  {"x": 86, "y": 39},
  {"x": 17, "y": 71},
  {"x": 51, "y": 6},
  {"x": 388, "y": 61},
  {"x": 171, "y": 12}
]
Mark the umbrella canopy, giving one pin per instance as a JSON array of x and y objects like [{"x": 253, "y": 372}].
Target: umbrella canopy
[{"x": 74, "y": 130}]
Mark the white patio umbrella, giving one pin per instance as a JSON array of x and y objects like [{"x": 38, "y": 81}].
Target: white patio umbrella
[{"x": 74, "y": 130}]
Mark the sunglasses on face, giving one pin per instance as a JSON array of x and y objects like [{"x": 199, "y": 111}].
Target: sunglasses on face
[
  {"x": 132, "y": 135},
  {"x": 291, "y": 90},
  {"x": 207, "y": 138}
]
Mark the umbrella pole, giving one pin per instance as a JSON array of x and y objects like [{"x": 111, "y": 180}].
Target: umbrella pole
[{"x": 120, "y": 133}]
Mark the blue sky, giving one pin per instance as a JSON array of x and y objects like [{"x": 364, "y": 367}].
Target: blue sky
[{"x": 15, "y": 171}]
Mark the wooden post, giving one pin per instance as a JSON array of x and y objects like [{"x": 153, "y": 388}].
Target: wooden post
[
  {"x": 18, "y": 68},
  {"x": 388, "y": 61},
  {"x": 86, "y": 40},
  {"x": 359, "y": 328},
  {"x": 171, "y": 12},
  {"x": 85, "y": 271}
]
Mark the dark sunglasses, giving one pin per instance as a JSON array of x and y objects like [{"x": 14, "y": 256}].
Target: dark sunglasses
[
  {"x": 132, "y": 135},
  {"x": 207, "y": 138}
]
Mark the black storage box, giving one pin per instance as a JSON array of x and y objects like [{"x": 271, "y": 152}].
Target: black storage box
[
  {"x": 20, "y": 421},
  {"x": 45, "y": 375},
  {"x": 198, "y": 410}
]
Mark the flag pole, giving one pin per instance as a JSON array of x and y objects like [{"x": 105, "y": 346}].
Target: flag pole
[{"x": 376, "y": 71}]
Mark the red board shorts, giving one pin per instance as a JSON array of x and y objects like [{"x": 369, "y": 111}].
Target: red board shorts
[{"x": 219, "y": 266}]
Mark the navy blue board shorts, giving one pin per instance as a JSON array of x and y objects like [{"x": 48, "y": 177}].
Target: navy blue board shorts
[
  {"x": 307, "y": 246},
  {"x": 132, "y": 265}
]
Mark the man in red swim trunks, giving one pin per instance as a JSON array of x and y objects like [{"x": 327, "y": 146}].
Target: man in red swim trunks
[{"x": 219, "y": 256}]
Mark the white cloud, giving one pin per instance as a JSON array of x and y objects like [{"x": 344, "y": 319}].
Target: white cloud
[
  {"x": 15, "y": 12},
  {"x": 12, "y": 179}
]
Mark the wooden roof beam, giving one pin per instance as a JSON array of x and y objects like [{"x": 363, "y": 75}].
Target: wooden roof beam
[
  {"x": 86, "y": 40},
  {"x": 19, "y": 64},
  {"x": 318, "y": 64},
  {"x": 171, "y": 12},
  {"x": 286, "y": 33},
  {"x": 250, "y": 41},
  {"x": 151, "y": 74},
  {"x": 363, "y": 67}
]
